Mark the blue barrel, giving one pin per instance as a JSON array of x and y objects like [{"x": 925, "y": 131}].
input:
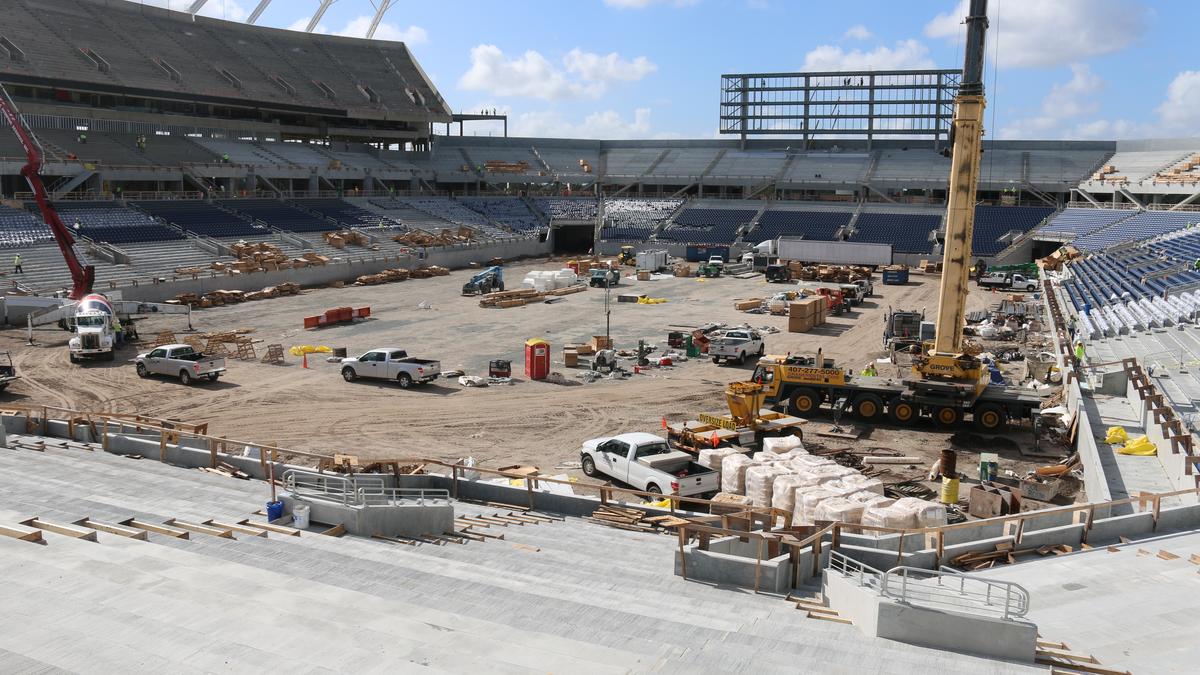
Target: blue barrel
[{"x": 274, "y": 510}]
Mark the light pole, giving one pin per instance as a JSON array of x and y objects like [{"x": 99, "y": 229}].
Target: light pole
[{"x": 607, "y": 312}]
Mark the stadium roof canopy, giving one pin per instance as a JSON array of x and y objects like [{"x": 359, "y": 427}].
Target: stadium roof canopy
[{"x": 114, "y": 47}]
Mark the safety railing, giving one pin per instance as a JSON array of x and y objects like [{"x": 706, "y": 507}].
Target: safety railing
[
  {"x": 955, "y": 591},
  {"x": 936, "y": 589},
  {"x": 385, "y": 496},
  {"x": 865, "y": 575},
  {"x": 343, "y": 490}
]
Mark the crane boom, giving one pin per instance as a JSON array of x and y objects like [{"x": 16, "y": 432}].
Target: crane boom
[
  {"x": 946, "y": 359},
  {"x": 83, "y": 275}
]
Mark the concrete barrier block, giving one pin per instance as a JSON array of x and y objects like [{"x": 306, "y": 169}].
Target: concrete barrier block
[{"x": 1110, "y": 530}]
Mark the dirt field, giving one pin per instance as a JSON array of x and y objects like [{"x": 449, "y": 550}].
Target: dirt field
[{"x": 529, "y": 422}]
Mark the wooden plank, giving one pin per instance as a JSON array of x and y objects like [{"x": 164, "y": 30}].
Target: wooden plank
[
  {"x": 335, "y": 531},
  {"x": 474, "y": 520},
  {"x": 164, "y": 530},
  {"x": 1166, "y": 555},
  {"x": 1079, "y": 667},
  {"x": 395, "y": 540},
  {"x": 237, "y": 527},
  {"x": 1070, "y": 656},
  {"x": 1052, "y": 645},
  {"x": 485, "y": 535},
  {"x": 23, "y": 533},
  {"x": 277, "y": 529},
  {"x": 827, "y": 617},
  {"x": 111, "y": 528},
  {"x": 469, "y": 535},
  {"x": 73, "y": 531},
  {"x": 200, "y": 529}
]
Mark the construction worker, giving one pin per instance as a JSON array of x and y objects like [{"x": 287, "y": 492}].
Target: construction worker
[
  {"x": 78, "y": 225},
  {"x": 1079, "y": 351},
  {"x": 17, "y": 269},
  {"x": 870, "y": 371},
  {"x": 225, "y": 157},
  {"x": 118, "y": 331},
  {"x": 82, "y": 138}
]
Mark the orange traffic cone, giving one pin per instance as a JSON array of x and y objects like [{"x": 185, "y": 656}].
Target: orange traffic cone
[
  {"x": 715, "y": 440},
  {"x": 305, "y": 359},
  {"x": 664, "y": 422}
]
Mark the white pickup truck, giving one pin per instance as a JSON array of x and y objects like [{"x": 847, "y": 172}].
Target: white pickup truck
[
  {"x": 180, "y": 361},
  {"x": 648, "y": 463},
  {"x": 1008, "y": 281},
  {"x": 733, "y": 346},
  {"x": 390, "y": 363}
]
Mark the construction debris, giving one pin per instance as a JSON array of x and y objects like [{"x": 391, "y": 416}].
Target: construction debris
[
  {"x": 422, "y": 238},
  {"x": 1004, "y": 553},
  {"x": 219, "y": 298},
  {"x": 525, "y": 296},
  {"x": 634, "y": 519}
]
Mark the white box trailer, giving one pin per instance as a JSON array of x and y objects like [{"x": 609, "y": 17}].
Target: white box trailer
[
  {"x": 651, "y": 260},
  {"x": 834, "y": 252}
]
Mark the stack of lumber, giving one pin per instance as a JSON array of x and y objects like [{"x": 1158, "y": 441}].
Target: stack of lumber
[
  {"x": 501, "y": 166},
  {"x": 1004, "y": 553},
  {"x": 219, "y": 298},
  {"x": 188, "y": 271},
  {"x": 227, "y": 470},
  {"x": 445, "y": 237},
  {"x": 315, "y": 258},
  {"x": 438, "y": 271},
  {"x": 384, "y": 277},
  {"x": 341, "y": 238},
  {"x": 634, "y": 519},
  {"x": 524, "y": 296}
]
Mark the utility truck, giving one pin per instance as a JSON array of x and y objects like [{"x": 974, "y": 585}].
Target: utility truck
[
  {"x": 648, "y": 463},
  {"x": 1009, "y": 281}
]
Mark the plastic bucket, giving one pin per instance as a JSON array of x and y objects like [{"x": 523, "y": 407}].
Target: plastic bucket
[
  {"x": 300, "y": 516},
  {"x": 274, "y": 510}
]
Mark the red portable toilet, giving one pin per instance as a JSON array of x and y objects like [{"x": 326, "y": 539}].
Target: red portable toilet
[{"x": 537, "y": 359}]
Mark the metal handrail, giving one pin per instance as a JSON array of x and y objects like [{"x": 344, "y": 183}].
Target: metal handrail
[
  {"x": 868, "y": 577},
  {"x": 340, "y": 489},
  {"x": 945, "y": 588},
  {"x": 955, "y": 591},
  {"x": 358, "y": 490},
  {"x": 385, "y": 496}
]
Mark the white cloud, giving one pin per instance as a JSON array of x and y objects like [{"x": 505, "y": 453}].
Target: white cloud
[
  {"x": 599, "y": 68},
  {"x": 1062, "y": 107},
  {"x": 608, "y": 124},
  {"x": 357, "y": 27},
  {"x": 643, "y": 4},
  {"x": 583, "y": 75},
  {"x": 858, "y": 32},
  {"x": 1180, "y": 112},
  {"x": 1038, "y": 33},
  {"x": 906, "y": 54},
  {"x": 233, "y": 10}
]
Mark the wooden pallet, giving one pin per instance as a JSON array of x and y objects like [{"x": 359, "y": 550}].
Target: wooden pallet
[
  {"x": 274, "y": 354},
  {"x": 166, "y": 337},
  {"x": 245, "y": 349}
]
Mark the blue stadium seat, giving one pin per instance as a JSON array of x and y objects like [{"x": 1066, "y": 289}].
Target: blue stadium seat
[{"x": 906, "y": 232}]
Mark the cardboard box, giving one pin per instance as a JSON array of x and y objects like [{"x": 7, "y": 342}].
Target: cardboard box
[
  {"x": 570, "y": 358},
  {"x": 643, "y": 275},
  {"x": 601, "y": 342},
  {"x": 683, "y": 271},
  {"x": 752, "y": 303},
  {"x": 799, "y": 324}
]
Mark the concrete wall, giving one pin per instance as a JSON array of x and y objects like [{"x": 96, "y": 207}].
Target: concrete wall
[
  {"x": 354, "y": 266},
  {"x": 404, "y": 520},
  {"x": 730, "y": 561},
  {"x": 877, "y": 616}
]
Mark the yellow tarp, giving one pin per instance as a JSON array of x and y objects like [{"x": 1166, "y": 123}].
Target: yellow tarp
[
  {"x": 1116, "y": 435},
  {"x": 1140, "y": 446},
  {"x": 301, "y": 350},
  {"x": 662, "y": 504},
  {"x": 651, "y": 301}
]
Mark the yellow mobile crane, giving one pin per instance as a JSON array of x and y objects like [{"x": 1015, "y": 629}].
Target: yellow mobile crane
[
  {"x": 944, "y": 361},
  {"x": 947, "y": 381}
]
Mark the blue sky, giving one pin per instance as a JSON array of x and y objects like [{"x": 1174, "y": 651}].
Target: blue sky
[{"x": 650, "y": 68}]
